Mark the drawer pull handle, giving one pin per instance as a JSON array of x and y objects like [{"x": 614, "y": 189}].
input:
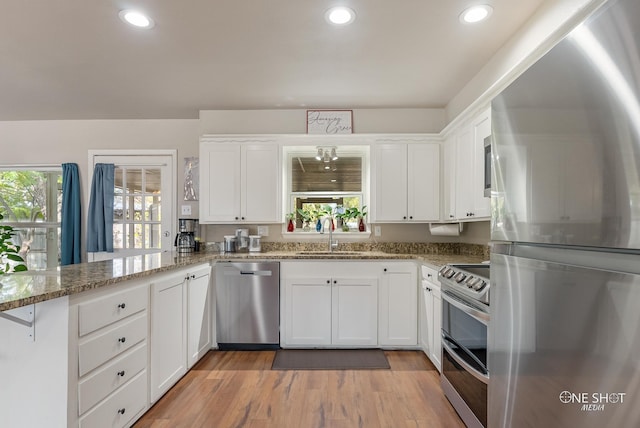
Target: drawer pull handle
[
  {"x": 120, "y": 373},
  {"x": 121, "y": 411},
  {"x": 122, "y": 339},
  {"x": 121, "y": 306}
]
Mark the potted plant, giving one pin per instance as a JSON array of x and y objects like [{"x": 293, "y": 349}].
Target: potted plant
[
  {"x": 291, "y": 221},
  {"x": 306, "y": 217},
  {"x": 10, "y": 261},
  {"x": 361, "y": 215}
]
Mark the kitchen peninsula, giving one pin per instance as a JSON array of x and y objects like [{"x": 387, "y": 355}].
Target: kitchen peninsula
[{"x": 62, "y": 365}]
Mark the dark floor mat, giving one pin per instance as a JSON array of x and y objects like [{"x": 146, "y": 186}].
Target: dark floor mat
[{"x": 330, "y": 359}]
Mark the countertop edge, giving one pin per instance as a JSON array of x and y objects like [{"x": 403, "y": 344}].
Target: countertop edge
[{"x": 86, "y": 280}]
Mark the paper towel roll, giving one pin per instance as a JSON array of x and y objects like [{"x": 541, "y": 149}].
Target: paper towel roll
[{"x": 445, "y": 229}]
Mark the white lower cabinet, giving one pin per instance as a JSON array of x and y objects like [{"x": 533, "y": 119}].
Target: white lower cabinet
[
  {"x": 398, "y": 312},
  {"x": 431, "y": 316},
  {"x": 108, "y": 355},
  {"x": 168, "y": 333},
  {"x": 199, "y": 314},
  {"x": 330, "y": 304},
  {"x": 178, "y": 318}
]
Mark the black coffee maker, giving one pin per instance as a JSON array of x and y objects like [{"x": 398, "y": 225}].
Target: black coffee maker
[{"x": 185, "y": 239}]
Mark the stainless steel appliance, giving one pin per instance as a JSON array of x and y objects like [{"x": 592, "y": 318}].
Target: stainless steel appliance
[
  {"x": 185, "y": 241},
  {"x": 248, "y": 305},
  {"x": 465, "y": 319},
  {"x": 230, "y": 242},
  {"x": 242, "y": 240},
  {"x": 564, "y": 349}
]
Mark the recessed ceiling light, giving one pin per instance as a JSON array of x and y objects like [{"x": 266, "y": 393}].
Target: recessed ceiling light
[
  {"x": 340, "y": 15},
  {"x": 135, "y": 18},
  {"x": 476, "y": 13}
]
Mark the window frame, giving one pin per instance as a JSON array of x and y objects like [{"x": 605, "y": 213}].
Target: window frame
[
  {"x": 53, "y": 205},
  {"x": 307, "y": 149}
]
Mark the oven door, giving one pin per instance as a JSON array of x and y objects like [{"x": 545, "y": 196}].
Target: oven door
[{"x": 464, "y": 358}]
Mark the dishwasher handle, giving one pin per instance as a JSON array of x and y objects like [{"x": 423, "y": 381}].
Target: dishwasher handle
[{"x": 235, "y": 272}]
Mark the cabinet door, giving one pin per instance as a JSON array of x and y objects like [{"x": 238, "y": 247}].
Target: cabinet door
[
  {"x": 423, "y": 182},
  {"x": 435, "y": 350},
  {"x": 199, "y": 315},
  {"x": 168, "y": 333},
  {"x": 464, "y": 173},
  {"x": 449, "y": 177},
  {"x": 354, "y": 312},
  {"x": 219, "y": 182},
  {"x": 390, "y": 182},
  {"x": 261, "y": 189},
  {"x": 426, "y": 321},
  {"x": 308, "y": 311},
  {"x": 481, "y": 130},
  {"x": 398, "y": 316}
]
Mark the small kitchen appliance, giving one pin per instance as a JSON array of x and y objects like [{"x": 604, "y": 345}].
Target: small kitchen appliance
[
  {"x": 185, "y": 241},
  {"x": 230, "y": 243},
  {"x": 242, "y": 240},
  {"x": 254, "y": 243}
]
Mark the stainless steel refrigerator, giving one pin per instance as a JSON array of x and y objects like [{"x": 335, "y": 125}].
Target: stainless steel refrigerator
[{"x": 564, "y": 336}]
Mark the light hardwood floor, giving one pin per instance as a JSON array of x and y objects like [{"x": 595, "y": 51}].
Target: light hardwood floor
[{"x": 239, "y": 389}]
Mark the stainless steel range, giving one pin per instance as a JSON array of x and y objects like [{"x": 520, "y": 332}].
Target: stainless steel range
[{"x": 465, "y": 319}]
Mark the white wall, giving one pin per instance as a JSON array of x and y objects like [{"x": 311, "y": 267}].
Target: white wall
[
  {"x": 403, "y": 120},
  {"x": 58, "y": 141}
]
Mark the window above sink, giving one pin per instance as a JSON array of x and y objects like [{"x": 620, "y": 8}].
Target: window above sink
[{"x": 324, "y": 181}]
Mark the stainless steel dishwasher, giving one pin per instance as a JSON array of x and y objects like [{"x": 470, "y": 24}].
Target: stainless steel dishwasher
[{"x": 248, "y": 305}]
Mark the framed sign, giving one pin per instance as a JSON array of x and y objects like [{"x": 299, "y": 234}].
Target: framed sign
[{"x": 329, "y": 121}]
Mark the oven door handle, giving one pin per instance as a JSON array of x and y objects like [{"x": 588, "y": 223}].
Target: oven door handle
[
  {"x": 458, "y": 303},
  {"x": 475, "y": 373}
]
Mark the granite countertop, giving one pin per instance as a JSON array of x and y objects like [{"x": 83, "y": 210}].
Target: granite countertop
[{"x": 25, "y": 288}]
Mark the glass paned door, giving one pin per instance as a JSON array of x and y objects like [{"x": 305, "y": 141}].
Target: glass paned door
[{"x": 143, "y": 208}]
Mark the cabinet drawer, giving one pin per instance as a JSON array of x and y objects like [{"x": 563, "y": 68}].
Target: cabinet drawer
[
  {"x": 115, "y": 374},
  {"x": 109, "y": 309},
  {"x": 120, "y": 408},
  {"x": 114, "y": 341},
  {"x": 430, "y": 274}
]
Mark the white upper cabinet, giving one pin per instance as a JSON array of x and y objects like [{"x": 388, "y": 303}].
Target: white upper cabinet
[
  {"x": 240, "y": 181},
  {"x": 405, "y": 182},
  {"x": 465, "y": 176}
]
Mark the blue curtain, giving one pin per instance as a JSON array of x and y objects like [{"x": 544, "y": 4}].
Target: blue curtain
[
  {"x": 100, "y": 218},
  {"x": 71, "y": 215}
]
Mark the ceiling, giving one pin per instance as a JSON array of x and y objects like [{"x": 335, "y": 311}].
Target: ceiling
[{"x": 70, "y": 59}]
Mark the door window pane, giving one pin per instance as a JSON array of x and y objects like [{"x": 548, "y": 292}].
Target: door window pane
[{"x": 141, "y": 195}]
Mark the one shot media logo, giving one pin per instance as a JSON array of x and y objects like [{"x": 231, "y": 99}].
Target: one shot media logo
[{"x": 592, "y": 401}]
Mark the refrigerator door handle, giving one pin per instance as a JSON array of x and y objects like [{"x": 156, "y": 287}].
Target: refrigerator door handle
[
  {"x": 475, "y": 313},
  {"x": 475, "y": 373}
]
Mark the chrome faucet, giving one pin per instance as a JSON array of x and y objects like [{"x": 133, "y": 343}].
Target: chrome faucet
[{"x": 332, "y": 244}]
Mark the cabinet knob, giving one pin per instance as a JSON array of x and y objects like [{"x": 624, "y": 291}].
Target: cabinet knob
[
  {"x": 404, "y": 217},
  {"x": 335, "y": 282},
  {"x": 121, "y": 306},
  {"x": 328, "y": 281},
  {"x": 385, "y": 269},
  {"x": 236, "y": 218},
  {"x": 122, "y": 339},
  {"x": 120, "y": 373},
  {"x": 429, "y": 275},
  {"x": 410, "y": 217},
  {"x": 428, "y": 289},
  {"x": 121, "y": 411},
  {"x": 242, "y": 218},
  {"x": 193, "y": 277}
]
